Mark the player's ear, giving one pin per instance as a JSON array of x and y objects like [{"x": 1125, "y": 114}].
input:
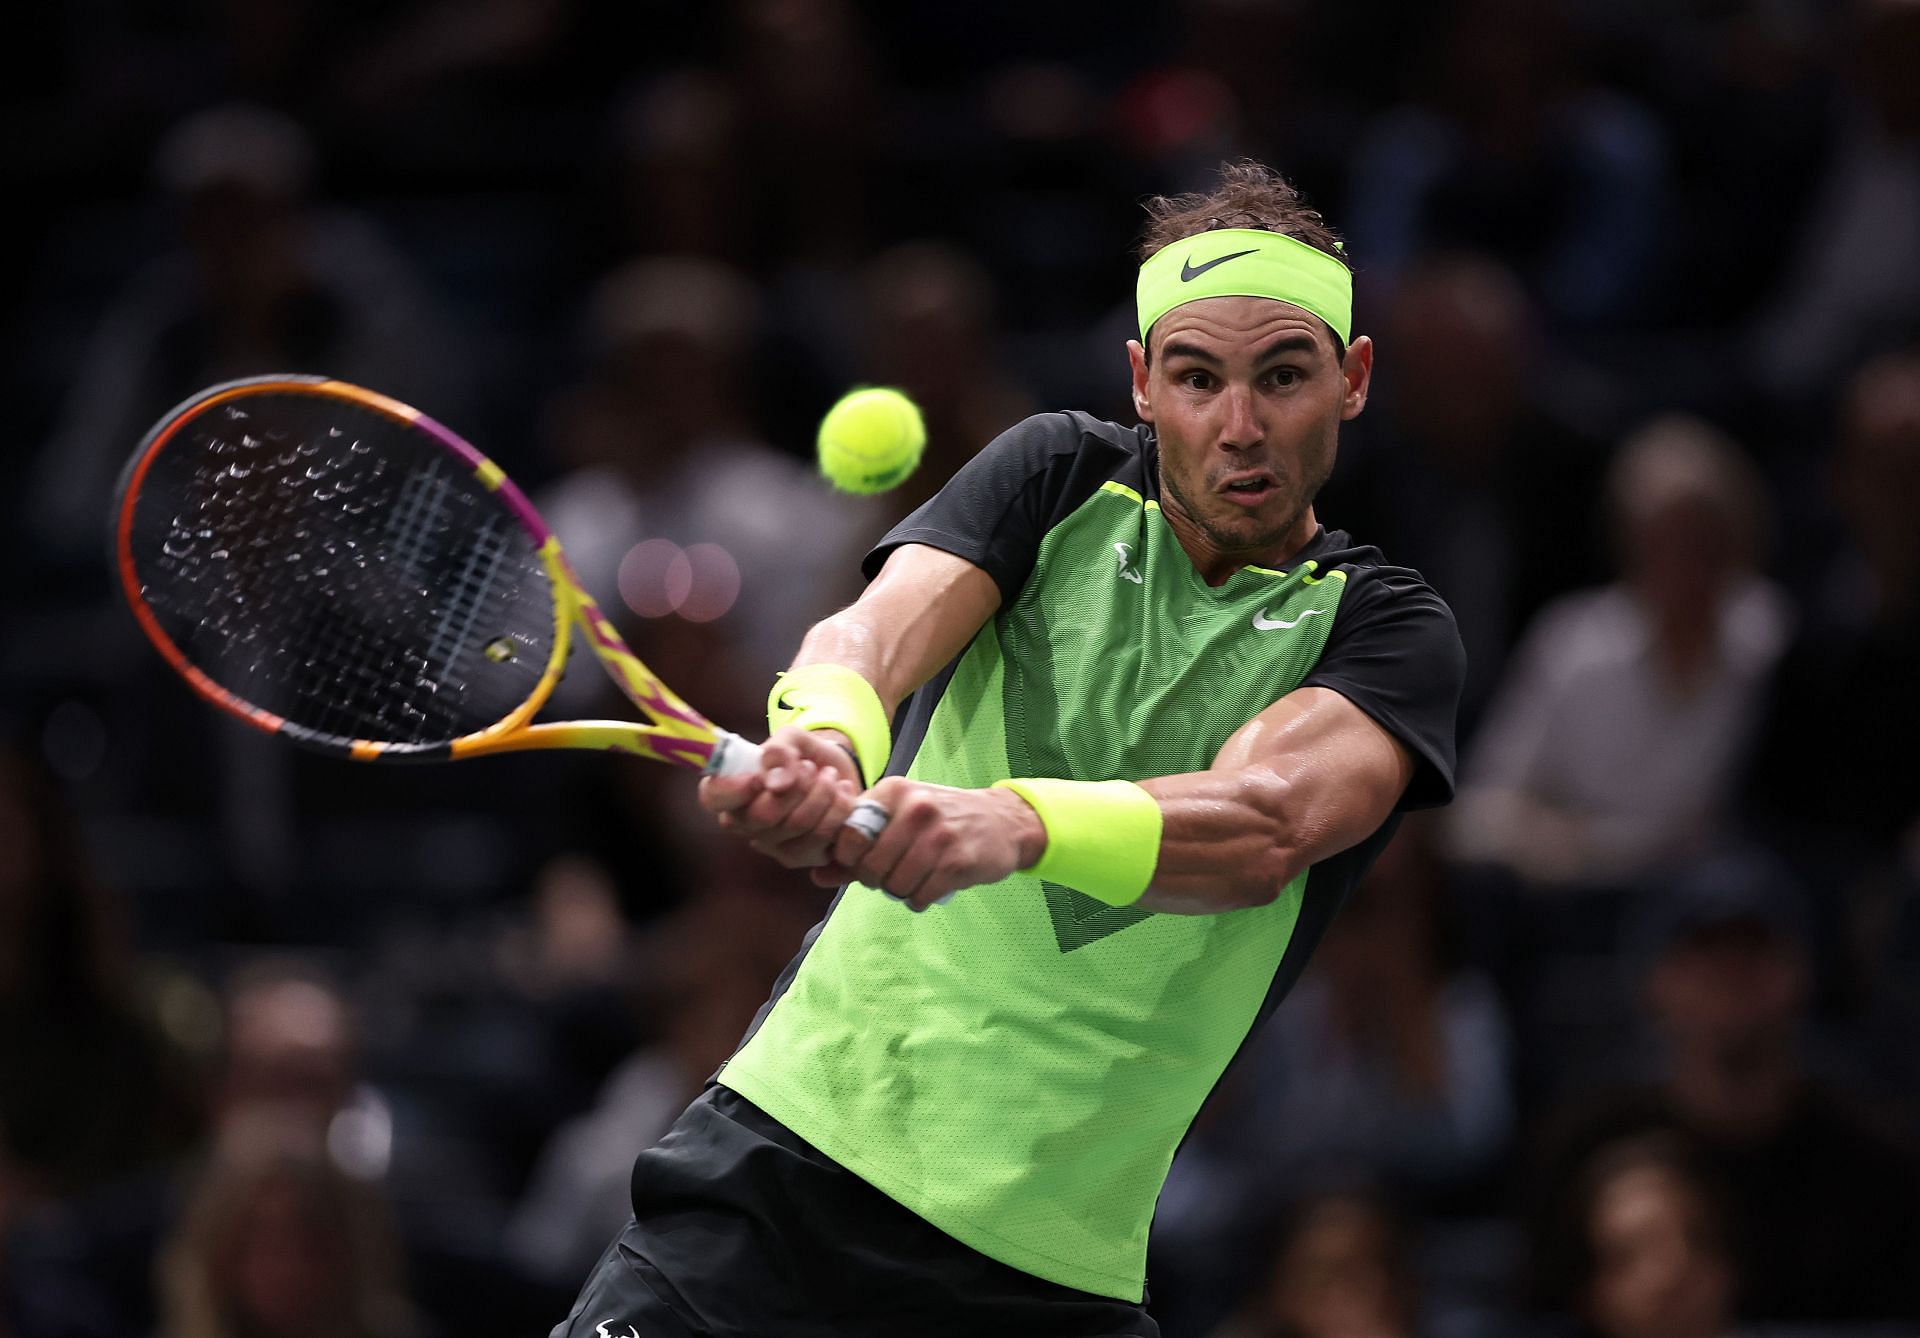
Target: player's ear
[
  {"x": 1137, "y": 359},
  {"x": 1357, "y": 369}
]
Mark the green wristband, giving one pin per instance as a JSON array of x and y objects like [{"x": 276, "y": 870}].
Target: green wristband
[
  {"x": 832, "y": 696},
  {"x": 1103, "y": 837}
]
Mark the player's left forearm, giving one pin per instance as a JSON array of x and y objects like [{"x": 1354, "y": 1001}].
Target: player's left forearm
[
  {"x": 1307, "y": 778},
  {"x": 1228, "y": 840}
]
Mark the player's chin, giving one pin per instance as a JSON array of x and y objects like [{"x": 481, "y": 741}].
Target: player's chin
[{"x": 1255, "y": 526}]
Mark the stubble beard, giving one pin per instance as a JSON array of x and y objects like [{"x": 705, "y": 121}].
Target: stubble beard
[{"x": 1228, "y": 542}]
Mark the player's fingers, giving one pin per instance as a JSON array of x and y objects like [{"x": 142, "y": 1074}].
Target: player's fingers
[
  {"x": 823, "y": 747},
  {"x": 779, "y": 764},
  {"x": 810, "y": 814},
  {"x": 865, "y": 822},
  {"x": 878, "y": 865},
  {"x": 923, "y": 873},
  {"x": 936, "y": 889},
  {"x": 807, "y": 832},
  {"x": 841, "y": 800},
  {"x": 909, "y": 879},
  {"x": 726, "y": 794},
  {"x": 856, "y": 844},
  {"x": 868, "y": 821},
  {"x": 771, "y": 810}
]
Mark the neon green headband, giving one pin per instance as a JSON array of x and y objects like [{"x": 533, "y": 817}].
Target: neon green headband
[{"x": 1246, "y": 262}]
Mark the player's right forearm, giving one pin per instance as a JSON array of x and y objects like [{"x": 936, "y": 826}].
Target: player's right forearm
[
  {"x": 849, "y": 638},
  {"x": 921, "y": 611}
]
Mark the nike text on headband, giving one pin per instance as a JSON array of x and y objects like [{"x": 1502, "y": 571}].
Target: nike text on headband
[{"x": 1246, "y": 262}]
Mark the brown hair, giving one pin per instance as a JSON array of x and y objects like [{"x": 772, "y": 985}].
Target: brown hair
[
  {"x": 1678, "y": 457},
  {"x": 1564, "y": 1263},
  {"x": 262, "y": 1152},
  {"x": 1250, "y": 195}
]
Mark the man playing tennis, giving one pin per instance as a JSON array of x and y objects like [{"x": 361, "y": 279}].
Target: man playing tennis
[{"x": 1157, "y": 720}]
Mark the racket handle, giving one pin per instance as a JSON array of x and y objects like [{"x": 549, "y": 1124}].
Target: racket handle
[{"x": 733, "y": 756}]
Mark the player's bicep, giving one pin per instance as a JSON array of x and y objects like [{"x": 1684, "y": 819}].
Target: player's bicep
[
  {"x": 1341, "y": 771},
  {"x": 920, "y": 611}
]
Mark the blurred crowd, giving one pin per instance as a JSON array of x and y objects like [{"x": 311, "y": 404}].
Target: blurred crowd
[{"x": 1623, "y": 1044}]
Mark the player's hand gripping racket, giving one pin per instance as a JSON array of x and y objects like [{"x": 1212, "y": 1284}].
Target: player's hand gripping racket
[{"x": 330, "y": 565}]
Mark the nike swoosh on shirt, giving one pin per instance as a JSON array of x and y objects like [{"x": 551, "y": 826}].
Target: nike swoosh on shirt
[
  {"x": 1190, "y": 271},
  {"x": 1266, "y": 624}
]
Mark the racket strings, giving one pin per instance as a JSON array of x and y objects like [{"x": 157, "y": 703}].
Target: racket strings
[
  {"x": 342, "y": 570},
  {"x": 468, "y": 594}
]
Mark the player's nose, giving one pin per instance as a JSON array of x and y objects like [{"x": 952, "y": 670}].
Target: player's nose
[{"x": 1240, "y": 428}]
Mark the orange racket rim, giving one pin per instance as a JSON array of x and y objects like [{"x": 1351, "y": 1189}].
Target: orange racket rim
[{"x": 490, "y": 475}]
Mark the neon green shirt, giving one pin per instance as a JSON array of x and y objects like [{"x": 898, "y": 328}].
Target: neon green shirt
[{"x": 1019, "y": 1065}]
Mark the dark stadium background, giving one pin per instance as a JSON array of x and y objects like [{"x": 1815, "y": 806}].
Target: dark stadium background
[{"x": 290, "y": 1047}]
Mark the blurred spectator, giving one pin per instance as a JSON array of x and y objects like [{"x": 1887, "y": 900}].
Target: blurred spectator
[
  {"x": 1513, "y": 152},
  {"x": 1246, "y": 75},
  {"x": 1389, "y": 1060},
  {"x": 288, "y": 1050},
  {"x": 1840, "y": 711},
  {"x": 1643, "y": 1252},
  {"x": 1389, "y": 1064},
  {"x": 1823, "y": 1206},
  {"x": 1612, "y": 747},
  {"x": 279, "y": 1242},
  {"x": 930, "y": 330},
  {"x": 74, "y": 1042},
  {"x": 808, "y": 85},
  {"x": 1858, "y": 655},
  {"x": 1462, "y": 467},
  {"x": 678, "y": 187},
  {"x": 1341, "y": 1271},
  {"x": 267, "y": 282},
  {"x": 9, "y": 1206},
  {"x": 440, "y": 52},
  {"x": 1746, "y": 96},
  {"x": 705, "y": 974},
  {"x": 575, "y": 938},
  {"x": 37, "y": 1301},
  {"x": 674, "y": 505},
  {"x": 569, "y": 964},
  {"x": 1853, "y": 289},
  {"x": 292, "y": 1045}
]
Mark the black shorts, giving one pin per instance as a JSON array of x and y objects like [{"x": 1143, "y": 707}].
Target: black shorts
[{"x": 742, "y": 1229}]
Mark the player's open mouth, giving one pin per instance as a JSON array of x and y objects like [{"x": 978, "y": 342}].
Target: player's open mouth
[{"x": 1250, "y": 488}]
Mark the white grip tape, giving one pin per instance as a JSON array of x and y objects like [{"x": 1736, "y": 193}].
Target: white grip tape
[
  {"x": 733, "y": 756},
  {"x": 869, "y": 819}
]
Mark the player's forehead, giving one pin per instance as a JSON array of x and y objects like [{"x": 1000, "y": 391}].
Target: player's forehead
[{"x": 1230, "y": 327}]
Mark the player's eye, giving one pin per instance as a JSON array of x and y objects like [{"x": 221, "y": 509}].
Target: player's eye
[
  {"x": 1284, "y": 377},
  {"x": 1196, "y": 380}
]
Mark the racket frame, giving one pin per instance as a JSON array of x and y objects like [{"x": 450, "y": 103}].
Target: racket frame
[{"x": 678, "y": 734}]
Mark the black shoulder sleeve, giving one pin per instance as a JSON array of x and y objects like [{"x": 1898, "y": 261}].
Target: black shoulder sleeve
[
  {"x": 999, "y": 505},
  {"x": 1395, "y": 653}
]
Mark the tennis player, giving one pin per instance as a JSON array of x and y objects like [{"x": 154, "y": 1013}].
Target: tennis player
[{"x": 1154, "y": 720}]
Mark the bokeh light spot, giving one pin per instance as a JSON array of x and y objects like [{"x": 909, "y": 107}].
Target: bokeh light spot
[
  {"x": 655, "y": 578},
  {"x": 716, "y": 583}
]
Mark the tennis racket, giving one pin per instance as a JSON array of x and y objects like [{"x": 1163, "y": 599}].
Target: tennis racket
[{"x": 332, "y": 566}]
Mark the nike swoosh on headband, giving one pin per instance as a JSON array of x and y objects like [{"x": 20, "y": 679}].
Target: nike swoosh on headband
[{"x": 1190, "y": 271}]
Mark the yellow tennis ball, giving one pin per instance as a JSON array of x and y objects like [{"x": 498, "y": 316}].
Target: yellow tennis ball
[{"x": 871, "y": 440}]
